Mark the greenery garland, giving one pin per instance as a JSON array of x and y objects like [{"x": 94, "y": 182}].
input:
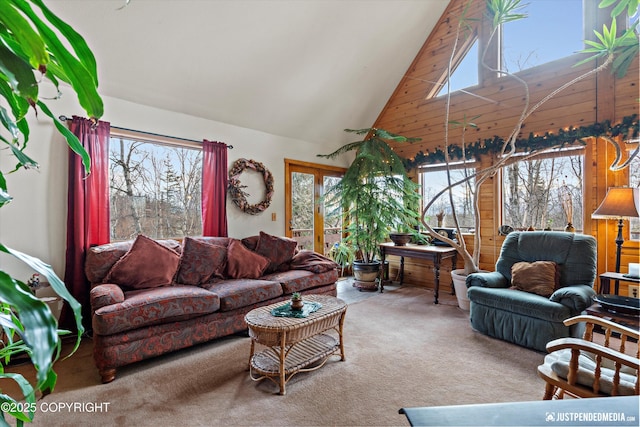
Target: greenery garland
[
  {"x": 239, "y": 196},
  {"x": 627, "y": 128}
]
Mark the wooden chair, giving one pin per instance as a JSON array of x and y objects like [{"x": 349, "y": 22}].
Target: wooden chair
[{"x": 583, "y": 368}]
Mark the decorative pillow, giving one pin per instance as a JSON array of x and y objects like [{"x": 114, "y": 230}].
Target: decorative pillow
[
  {"x": 311, "y": 261},
  {"x": 279, "y": 250},
  {"x": 148, "y": 264},
  {"x": 200, "y": 262},
  {"x": 244, "y": 264},
  {"x": 251, "y": 242},
  {"x": 540, "y": 277}
]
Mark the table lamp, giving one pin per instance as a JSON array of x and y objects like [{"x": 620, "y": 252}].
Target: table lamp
[{"x": 619, "y": 203}]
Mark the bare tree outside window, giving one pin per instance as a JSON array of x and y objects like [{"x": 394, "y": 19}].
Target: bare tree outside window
[
  {"x": 433, "y": 181},
  {"x": 155, "y": 189},
  {"x": 544, "y": 193}
]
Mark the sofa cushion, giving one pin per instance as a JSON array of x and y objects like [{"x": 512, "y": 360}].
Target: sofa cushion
[
  {"x": 279, "y": 250},
  {"x": 301, "y": 280},
  {"x": 213, "y": 240},
  {"x": 243, "y": 263},
  {"x": 147, "y": 264},
  {"x": 312, "y": 261},
  {"x": 153, "y": 306},
  {"x": 539, "y": 277},
  {"x": 200, "y": 262},
  {"x": 237, "y": 293},
  {"x": 251, "y": 242},
  {"x": 101, "y": 258},
  {"x": 518, "y": 302}
]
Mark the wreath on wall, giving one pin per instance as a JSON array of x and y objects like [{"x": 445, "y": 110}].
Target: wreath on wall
[{"x": 236, "y": 189}]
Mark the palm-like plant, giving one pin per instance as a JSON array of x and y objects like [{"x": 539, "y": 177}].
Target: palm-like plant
[
  {"x": 375, "y": 195},
  {"x": 32, "y": 49}
]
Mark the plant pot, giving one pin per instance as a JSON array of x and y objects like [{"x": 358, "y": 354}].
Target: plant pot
[
  {"x": 297, "y": 304},
  {"x": 366, "y": 274},
  {"x": 460, "y": 286},
  {"x": 400, "y": 239}
]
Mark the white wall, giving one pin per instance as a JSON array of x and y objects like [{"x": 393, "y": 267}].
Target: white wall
[{"x": 35, "y": 221}]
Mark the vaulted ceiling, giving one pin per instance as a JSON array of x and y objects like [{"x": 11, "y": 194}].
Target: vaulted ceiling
[{"x": 304, "y": 69}]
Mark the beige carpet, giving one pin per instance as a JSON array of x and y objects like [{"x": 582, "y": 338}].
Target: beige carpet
[{"x": 401, "y": 349}]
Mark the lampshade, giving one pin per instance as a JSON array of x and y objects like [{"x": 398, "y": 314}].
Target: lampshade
[{"x": 620, "y": 202}]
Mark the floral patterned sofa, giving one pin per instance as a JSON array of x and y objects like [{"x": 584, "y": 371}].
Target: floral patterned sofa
[{"x": 150, "y": 297}]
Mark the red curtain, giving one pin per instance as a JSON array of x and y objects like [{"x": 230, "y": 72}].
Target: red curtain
[
  {"x": 88, "y": 210},
  {"x": 214, "y": 189}
]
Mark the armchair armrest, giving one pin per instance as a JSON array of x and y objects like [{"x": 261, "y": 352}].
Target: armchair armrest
[
  {"x": 577, "y": 297},
  {"x": 104, "y": 295},
  {"x": 487, "y": 280}
]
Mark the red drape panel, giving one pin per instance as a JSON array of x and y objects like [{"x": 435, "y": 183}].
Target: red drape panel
[
  {"x": 88, "y": 210},
  {"x": 214, "y": 189}
]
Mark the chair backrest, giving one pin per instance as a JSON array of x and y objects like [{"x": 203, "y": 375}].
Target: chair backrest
[{"x": 575, "y": 254}]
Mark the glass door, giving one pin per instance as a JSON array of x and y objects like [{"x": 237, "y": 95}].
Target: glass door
[{"x": 305, "y": 218}]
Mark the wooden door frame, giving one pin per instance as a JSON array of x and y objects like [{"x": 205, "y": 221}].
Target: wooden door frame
[{"x": 316, "y": 169}]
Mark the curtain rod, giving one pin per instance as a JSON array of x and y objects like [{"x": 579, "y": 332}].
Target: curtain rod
[{"x": 230, "y": 147}]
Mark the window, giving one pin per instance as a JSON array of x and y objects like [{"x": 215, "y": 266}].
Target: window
[
  {"x": 155, "y": 188},
  {"x": 545, "y": 192},
  {"x": 551, "y": 30},
  {"x": 433, "y": 179},
  {"x": 465, "y": 74}
]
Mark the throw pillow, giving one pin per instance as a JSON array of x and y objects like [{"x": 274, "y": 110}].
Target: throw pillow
[
  {"x": 200, "y": 262},
  {"x": 311, "y": 261},
  {"x": 279, "y": 250},
  {"x": 538, "y": 277},
  {"x": 148, "y": 264},
  {"x": 243, "y": 263}
]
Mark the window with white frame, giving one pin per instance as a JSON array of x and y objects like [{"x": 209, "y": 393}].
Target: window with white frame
[
  {"x": 433, "y": 179},
  {"x": 544, "y": 192},
  {"x": 154, "y": 187}
]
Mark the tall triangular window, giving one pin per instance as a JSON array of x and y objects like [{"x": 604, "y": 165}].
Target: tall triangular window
[{"x": 465, "y": 74}]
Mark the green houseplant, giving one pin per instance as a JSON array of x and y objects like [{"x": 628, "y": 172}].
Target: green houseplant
[
  {"x": 375, "y": 196},
  {"x": 33, "y": 49}
]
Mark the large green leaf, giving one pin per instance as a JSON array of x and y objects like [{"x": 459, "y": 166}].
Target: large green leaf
[
  {"x": 39, "y": 324},
  {"x": 81, "y": 79},
  {"x": 24, "y": 34},
  {"x": 55, "y": 283},
  {"x": 19, "y": 74}
]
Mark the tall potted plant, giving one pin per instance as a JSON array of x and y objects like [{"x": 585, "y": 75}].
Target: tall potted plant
[
  {"x": 609, "y": 46},
  {"x": 375, "y": 196},
  {"x": 33, "y": 49}
]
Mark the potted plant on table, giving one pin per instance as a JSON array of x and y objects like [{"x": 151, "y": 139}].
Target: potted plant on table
[
  {"x": 374, "y": 196},
  {"x": 608, "y": 47}
]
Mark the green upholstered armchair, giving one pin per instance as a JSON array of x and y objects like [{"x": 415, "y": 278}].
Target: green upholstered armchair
[{"x": 526, "y": 318}]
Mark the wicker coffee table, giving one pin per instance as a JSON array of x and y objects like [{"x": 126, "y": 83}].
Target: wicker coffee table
[{"x": 293, "y": 344}]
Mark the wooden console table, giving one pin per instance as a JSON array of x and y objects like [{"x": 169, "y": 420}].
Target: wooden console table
[{"x": 434, "y": 253}]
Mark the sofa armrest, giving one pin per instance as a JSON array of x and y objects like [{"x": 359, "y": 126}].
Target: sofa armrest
[
  {"x": 105, "y": 294},
  {"x": 487, "y": 280},
  {"x": 577, "y": 297}
]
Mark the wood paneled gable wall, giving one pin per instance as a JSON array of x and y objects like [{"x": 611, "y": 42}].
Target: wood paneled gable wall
[{"x": 414, "y": 111}]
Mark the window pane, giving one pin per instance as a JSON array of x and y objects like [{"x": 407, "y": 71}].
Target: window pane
[
  {"x": 543, "y": 193},
  {"x": 466, "y": 74},
  {"x": 154, "y": 190},
  {"x": 332, "y": 221},
  {"x": 302, "y": 209},
  {"x": 551, "y": 30},
  {"x": 433, "y": 182}
]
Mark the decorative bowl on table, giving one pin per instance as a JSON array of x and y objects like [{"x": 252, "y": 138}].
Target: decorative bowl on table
[
  {"x": 619, "y": 304},
  {"x": 400, "y": 239}
]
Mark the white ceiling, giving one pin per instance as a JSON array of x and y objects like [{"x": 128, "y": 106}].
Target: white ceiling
[{"x": 304, "y": 69}]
